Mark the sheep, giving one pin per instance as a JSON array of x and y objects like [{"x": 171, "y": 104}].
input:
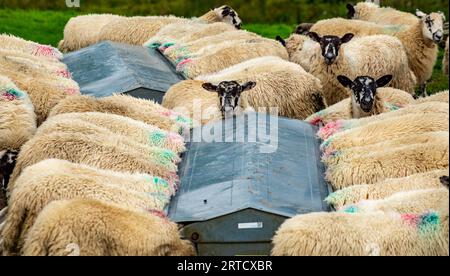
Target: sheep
[
  {"x": 376, "y": 233},
  {"x": 389, "y": 99},
  {"x": 334, "y": 158},
  {"x": 301, "y": 49},
  {"x": 181, "y": 51},
  {"x": 138, "y": 109},
  {"x": 442, "y": 96},
  {"x": 11, "y": 42},
  {"x": 382, "y": 15},
  {"x": 17, "y": 117},
  {"x": 419, "y": 40},
  {"x": 136, "y": 130},
  {"x": 56, "y": 180},
  {"x": 385, "y": 188},
  {"x": 104, "y": 151},
  {"x": 373, "y": 56},
  {"x": 134, "y": 30},
  {"x": 279, "y": 84},
  {"x": 386, "y": 129},
  {"x": 21, "y": 59},
  {"x": 413, "y": 202},
  {"x": 335, "y": 125},
  {"x": 221, "y": 57},
  {"x": 95, "y": 228},
  {"x": 445, "y": 60},
  {"x": 45, "y": 90},
  {"x": 399, "y": 161},
  {"x": 83, "y": 30}
]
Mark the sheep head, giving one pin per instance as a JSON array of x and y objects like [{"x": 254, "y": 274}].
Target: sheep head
[
  {"x": 364, "y": 90},
  {"x": 330, "y": 45},
  {"x": 229, "y": 16},
  {"x": 432, "y": 25},
  {"x": 8, "y": 160},
  {"x": 229, "y": 93}
]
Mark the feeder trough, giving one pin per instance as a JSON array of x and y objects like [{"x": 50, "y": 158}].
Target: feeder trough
[
  {"x": 108, "y": 67},
  {"x": 233, "y": 196}
]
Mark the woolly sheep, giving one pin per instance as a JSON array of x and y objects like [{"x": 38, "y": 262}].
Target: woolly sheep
[
  {"x": 389, "y": 99},
  {"x": 279, "y": 84},
  {"x": 51, "y": 180},
  {"x": 136, "y": 130},
  {"x": 374, "y": 234},
  {"x": 438, "y": 97},
  {"x": 374, "y": 56},
  {"x": 387, "y": 129},
  {"x": 81, "y": 223},
  {"x": 223, "y": 57},
  {"x": 197, "y": 47},
  {"x": 445, "y": 60},
  {"x": 45, "y": 90},
  {"x": 102, "y": 151},
  {"x": 336, "y": 126},
  {"x": 399, "y": 161},
  {"x": 386, "y": 188},
  {"x": 419, "y": 39},
  {"x": 382, "y": 15},
  {"x": 138, "y": 109},
  {"x": 344, "y": 155},
  {"x": 11, "y": 42},
  {"x": 17, "y": 118}
]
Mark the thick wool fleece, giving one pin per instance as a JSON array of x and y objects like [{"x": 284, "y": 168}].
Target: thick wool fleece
[
  {"x": 135, "y": 130},
  {"x": 17, "y": 118},
  {"x": 383, "y": 15},
  {"x": 387, "y": 129},
  {"x": 386, "y": 188},
  {"x": 367, "y": 234},
  {"x": 400, "y": 161},
  {"x": 138, "y": 109},
  {"x": 387, "y": 100},
  {"x": 45, "y": 52},
  {"x": 104, "y": 151},
  {"x": 52, "y": 180},
  {"x": 416, "y": 108},
  {"x": 94, "y": 228}
]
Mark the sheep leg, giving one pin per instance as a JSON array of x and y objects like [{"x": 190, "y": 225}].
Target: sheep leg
[{"x": 423, "y": 90}]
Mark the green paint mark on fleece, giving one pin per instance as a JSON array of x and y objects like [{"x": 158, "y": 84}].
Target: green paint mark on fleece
[
  {"x": 157, "y": 137},
  {"x": 17, "y": 93},
  {"x": 351, "y": 210},
  {"x": 166, "y": 156},
  {"x": 154, "y": 45},
  {"x": 160, "y": 182},
  {"x": 429, "y": 223}
]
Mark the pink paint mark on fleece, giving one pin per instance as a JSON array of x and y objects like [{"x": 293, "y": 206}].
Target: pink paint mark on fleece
[
  {"x": 64, "y": 73},
  {"x": 8, "y": 96},
  {"x": 72, "y": 91},
  {"x": 330, "y": 129},
  {"x": 182, "y": 64},
  {"x": 316, "y": 121},
  {"x": 45, "y": 50},
  {"x": 411, "y": 219}
]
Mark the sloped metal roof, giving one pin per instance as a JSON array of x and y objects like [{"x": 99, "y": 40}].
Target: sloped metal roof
[
  {"x": 108, "y": 67},
  {"x": 218, "y": 178}
]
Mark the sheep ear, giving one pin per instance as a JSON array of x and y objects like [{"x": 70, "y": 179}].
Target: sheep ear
[
  {"x": 282, "y": 41},
  {"x": 314, "y": 36},
  {"x": 248, "y": 86},
  {"x": 420, "y": 14},
  {"x": 346, "y": 82},
  {"x": 383, "y": 81},
  {"x": 445, "y": 181},
  {"x": 226, "y": 11},
  {"x": 347, "y": 37},
  {"x": 210, "y": 87},
  {"x": 351, "y": 11}
]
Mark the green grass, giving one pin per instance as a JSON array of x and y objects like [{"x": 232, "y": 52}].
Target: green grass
[{"x": 47, "y": 27}]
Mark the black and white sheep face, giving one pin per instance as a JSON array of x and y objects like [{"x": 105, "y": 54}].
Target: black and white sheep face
[
  {"x": 351, "y": 11},
  {"x": 432, "y": 25},
  {"x": 229, "y": 94},
  {"x": 364, "y": 89},
  {"x": 330, "y": 45},
  {"x": 8, "y": 160},
  {"x": 230, "y": 16}
]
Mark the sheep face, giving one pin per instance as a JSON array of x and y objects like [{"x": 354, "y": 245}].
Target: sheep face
[
  {"x": 8, "y": 160},
  {"x": 351, "y": 11},
  {"x": 364, "y": 89},
  {"x": 330, "y": 45},
  {"x": 432, "y": 25},
  {"x": 230, "y": 16},
  {"x": 229, "y": 94},
  {"x": 445, "y": 181}
]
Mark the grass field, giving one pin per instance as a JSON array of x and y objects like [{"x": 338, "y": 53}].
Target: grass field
[{"x": 47, "y": 27}]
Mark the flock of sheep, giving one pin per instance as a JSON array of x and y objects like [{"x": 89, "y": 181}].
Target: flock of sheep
[{"x": 92, "y": 176}]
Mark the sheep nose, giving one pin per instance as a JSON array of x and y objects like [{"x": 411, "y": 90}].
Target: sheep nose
[{"x": 437, "y": 36}]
